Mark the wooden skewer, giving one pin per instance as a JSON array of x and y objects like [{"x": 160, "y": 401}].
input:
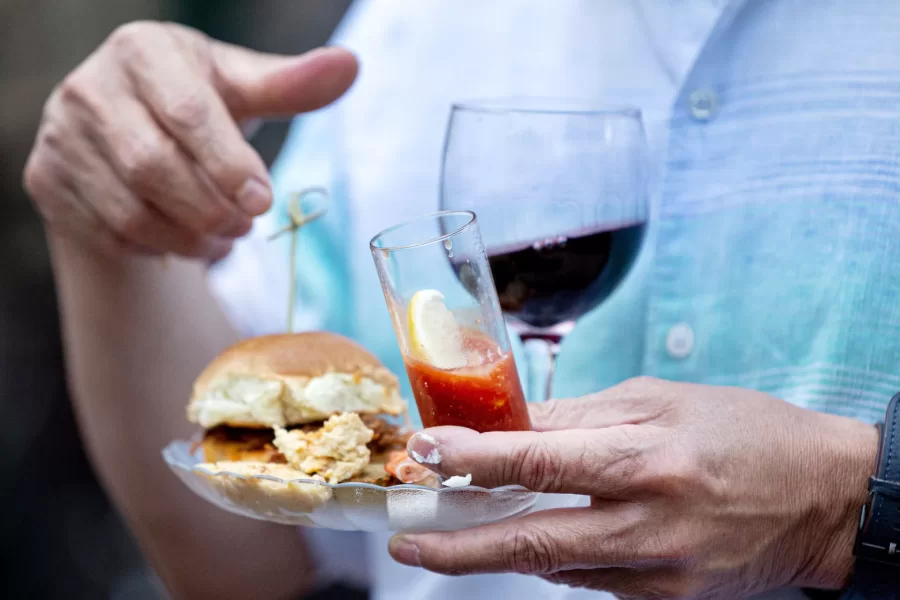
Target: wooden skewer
[{"x": 298, "y": 220}]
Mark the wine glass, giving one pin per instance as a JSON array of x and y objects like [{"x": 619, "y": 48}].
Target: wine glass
[{"x": 560, "y": 190}]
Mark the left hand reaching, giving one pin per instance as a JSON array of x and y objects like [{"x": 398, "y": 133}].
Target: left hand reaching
[{"x": 696, "y": 492}]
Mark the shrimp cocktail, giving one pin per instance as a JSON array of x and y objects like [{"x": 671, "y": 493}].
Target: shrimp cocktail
[{"x": 446, "y": 314}]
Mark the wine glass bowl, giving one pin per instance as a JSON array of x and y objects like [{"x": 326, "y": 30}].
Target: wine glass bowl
[{"x": 560, "y": 190}]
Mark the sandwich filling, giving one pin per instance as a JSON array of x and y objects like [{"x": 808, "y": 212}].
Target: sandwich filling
[
  {"x": 344, "y": 447},
  {"x": 335, "y": 451},
  {"x": 278, "y": 400}
]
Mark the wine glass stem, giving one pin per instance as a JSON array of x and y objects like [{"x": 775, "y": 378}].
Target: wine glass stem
[{"x": 552, "y": 353}]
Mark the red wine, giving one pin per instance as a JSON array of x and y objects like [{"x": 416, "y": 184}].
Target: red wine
[{"x": 553, "y": 281}]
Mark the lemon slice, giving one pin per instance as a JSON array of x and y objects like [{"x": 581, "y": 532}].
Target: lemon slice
[{"x": 434, "y": 334}]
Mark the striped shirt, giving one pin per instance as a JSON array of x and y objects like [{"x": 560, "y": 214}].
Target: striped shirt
[{"x": 771, "y": 258}]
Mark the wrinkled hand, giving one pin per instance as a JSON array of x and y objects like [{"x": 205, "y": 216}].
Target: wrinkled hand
[
  {"x": 140, "y": 147},
  {"x": 697, "y": 492}
]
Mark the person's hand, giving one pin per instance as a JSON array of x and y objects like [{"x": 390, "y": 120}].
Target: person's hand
[
  {"x": 697, "y": 492},
  {"x": 140, "y": 147}
]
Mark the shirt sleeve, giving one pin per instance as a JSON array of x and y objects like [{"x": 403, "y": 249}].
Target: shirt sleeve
[{"x": 248, "y": 285}]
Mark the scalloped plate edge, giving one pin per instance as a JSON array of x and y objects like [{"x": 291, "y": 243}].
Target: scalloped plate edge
[{"x": 177, "y": 445}]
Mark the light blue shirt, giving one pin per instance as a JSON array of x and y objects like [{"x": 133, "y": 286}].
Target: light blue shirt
[{"x": 772, "y": 256}]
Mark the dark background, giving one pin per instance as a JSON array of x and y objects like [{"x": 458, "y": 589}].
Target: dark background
[{"x": 60, "y": 536}]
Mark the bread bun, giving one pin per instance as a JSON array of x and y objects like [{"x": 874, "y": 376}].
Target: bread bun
[
  {"x": 308, "y": 354},
  {"x": 292, "y": 379},
  {"x": 265, "y": 496}
]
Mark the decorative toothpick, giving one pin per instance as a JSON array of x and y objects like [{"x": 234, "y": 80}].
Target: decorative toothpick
[{"x": 298, "y": 220}]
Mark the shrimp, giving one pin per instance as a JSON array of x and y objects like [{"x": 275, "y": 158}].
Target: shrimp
[{"x": 399, "y": 465}]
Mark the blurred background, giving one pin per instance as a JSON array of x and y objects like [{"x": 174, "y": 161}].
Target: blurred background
[{"x": 60, "y": 536}]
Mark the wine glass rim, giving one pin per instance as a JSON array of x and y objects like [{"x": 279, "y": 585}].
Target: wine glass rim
[
  {"x": 430, "y": 216},
  {"x": 546, "y": 105}
]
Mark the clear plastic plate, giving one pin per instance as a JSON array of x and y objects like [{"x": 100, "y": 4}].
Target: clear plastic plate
[{"x": 347, "y": 506}]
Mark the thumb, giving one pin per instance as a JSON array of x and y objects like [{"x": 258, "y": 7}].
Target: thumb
[{"x": 254, "y": 84}]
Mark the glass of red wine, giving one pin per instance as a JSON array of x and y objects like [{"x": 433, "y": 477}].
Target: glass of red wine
[{"x": 560, "y": 190}]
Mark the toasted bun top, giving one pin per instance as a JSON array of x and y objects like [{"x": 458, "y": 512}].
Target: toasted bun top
[
  {"x": 260, "y": 381},
  {"x": 308, "y": 354}
]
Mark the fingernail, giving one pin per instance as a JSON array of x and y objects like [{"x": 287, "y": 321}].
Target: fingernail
[
  {"x": 423, "y": 448},
  {"x": 404, "y": 551},
  {"x": 255, "y": 197}
]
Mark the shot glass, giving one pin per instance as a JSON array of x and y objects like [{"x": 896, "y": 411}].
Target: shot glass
[{"x": 446, "y": 315}]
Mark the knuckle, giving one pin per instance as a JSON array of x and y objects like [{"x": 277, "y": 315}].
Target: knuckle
[
  {"x": 136, "y": 45},
  {"x": 144, "y": 163},
  {"x": 530, "y": 551},
  {"x": 675, "y": 473},
  {"x": 74, "y": 89},
  {"x": 130, "y": 221},
  {"x": 186, "y": 110},
  {"x": 69, "y": 89},
  {"x": 79, "y": 100},
  {"x": 551, "y": 411},
  {"x": 535, "y": 467},
  {"x": 55, "y": 122},
  {"x": 622, "y": 459},
  {"x": 35, "y": 179},
  {"x": 640, "y": 383},
  {"x": 130, "y": 36},
  {"x": 50, "y": 136}
]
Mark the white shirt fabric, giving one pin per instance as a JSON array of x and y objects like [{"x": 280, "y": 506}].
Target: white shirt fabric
[{"x": 380, "y": 149}]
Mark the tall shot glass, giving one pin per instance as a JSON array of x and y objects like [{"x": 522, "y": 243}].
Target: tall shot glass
[{"x": 441, "y": 296}]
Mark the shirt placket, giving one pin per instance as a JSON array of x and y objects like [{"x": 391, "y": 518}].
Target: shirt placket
[{"x": 672, "y": 339}]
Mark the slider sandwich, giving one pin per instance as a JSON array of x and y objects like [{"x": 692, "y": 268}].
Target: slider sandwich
[{"x": 310, "y": 406}]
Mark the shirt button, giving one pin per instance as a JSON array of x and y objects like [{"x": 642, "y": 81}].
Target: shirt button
[
  {"x": 680, "y": 340},
  {"x": 704, "y": 104}
]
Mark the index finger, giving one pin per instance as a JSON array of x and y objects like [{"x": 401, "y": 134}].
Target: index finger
[
  {"x": 579, "y": 461},
  {"x": 190, "y": 110},
  {"x": 635, "y": 401}
]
